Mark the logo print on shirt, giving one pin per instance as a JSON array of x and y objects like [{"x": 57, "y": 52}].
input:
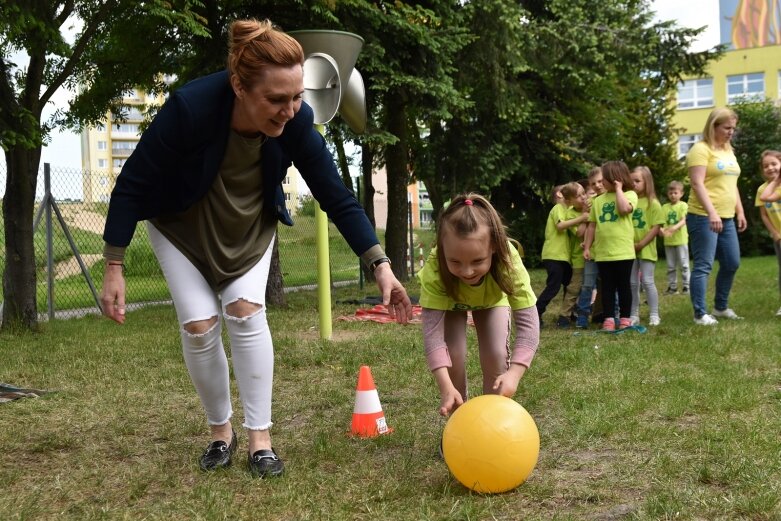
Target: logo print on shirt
[
  {"x": 637, "y": 218},
  {"x": 608, "y": 213},
  {"x": 672, "y": 218}
]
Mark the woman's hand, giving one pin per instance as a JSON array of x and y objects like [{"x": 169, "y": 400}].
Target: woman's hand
[
  {"x": 506, "y": 384},
  {"x": 715, "y": 222},
  {"x": 113, "y": 295},
  {"x": 740, "y": 221},
  {"x": 394, "y": 296}
]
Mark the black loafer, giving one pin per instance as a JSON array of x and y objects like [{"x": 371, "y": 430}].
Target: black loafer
[
  {"x": 218, "y": 454},
  {"x": 265, "y": 464}
]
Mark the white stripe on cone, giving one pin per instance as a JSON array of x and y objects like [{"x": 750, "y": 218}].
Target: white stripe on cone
[{"x": 367, "y": 402}]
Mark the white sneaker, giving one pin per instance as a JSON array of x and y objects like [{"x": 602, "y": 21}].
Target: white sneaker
[
  {"x": 635, "y": 320},
  {"x": 778, "y": 313},
  {"x": 654, "y": 320},
  {"x": 726, "y": 313},
  {"x": 706, "y": 320}
]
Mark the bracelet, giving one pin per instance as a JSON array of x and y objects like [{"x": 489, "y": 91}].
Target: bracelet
[
  {"x": 383, "y": 260},
  {"x": 122, "y": 264}
]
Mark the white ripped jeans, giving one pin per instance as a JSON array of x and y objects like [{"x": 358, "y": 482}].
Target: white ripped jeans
[{"x": 252, "y": 351}]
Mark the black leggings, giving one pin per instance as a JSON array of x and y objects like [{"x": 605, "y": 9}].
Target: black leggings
[
  {"x": 559, "y": 274},
  {"x": 616, "y": 277}
]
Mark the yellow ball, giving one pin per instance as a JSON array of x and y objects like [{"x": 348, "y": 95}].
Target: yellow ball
[{"x": 491, "y": 444}]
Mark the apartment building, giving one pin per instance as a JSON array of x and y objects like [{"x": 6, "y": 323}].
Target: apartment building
[
  {"x": 106, "y": 147},
  {"x": 750, "y": 69}
]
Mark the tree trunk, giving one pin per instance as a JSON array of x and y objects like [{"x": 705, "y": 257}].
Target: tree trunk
[
  {"x": 344, "y": 167},
  {"x": 398, "y": 179},
  {"x": 275, "y": 287},
  {"x": 367, "y": 195},
  {"x": 19, "y": 281}
]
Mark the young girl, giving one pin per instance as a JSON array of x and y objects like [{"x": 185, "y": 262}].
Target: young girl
[
  {"x": 577, "y": 203},
  {"x": 475, "y": 268},
  {"x": 647, "y": 219},
  {"x": 769, "y": 202},
  {"x": 588, "y": 290},
  {"x": 611, "y": 233},
  {"x": 556, "y": 253}
]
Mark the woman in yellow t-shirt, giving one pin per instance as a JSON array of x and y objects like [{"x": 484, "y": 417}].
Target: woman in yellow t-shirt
[{"x": 715, "y": 215}]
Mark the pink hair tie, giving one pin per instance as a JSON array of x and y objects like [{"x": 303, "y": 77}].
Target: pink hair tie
[{"x": 468, "y": 202}]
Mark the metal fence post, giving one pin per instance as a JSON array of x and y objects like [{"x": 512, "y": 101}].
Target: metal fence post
[{"x": 47, "y": 198}]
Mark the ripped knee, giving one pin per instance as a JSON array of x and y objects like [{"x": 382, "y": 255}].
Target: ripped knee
[
  {"x": 241, "y": 308},
  {"x": 200, "y": 327}
]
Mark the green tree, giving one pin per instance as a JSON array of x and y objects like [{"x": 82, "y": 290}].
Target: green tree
[
  {"x": 759, "y": 129},
  {"x": 117, "y": 46},
  {"x": 599, "y": 81}
]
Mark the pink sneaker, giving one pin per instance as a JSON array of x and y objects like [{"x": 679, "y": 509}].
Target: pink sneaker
[
  {"x": 609, "y": 325},
  {"x": 624, "y": 323}
]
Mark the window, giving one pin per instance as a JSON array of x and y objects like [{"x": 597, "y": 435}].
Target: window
[
  {"x": 102, "y": 163},
  {"x": 129, "y": 128},
  {"x": 102, "y": 145},
  {"x": 745, "y": 87},
  {"x": 119, "y": 163},
  {"x": 694, "y": 94},
  {"x": 123, "y": 147},
  {"x": 686, "y": 141}
]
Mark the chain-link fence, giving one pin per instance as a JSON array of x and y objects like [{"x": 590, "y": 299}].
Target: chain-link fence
[{"x": 69, "y": 220}]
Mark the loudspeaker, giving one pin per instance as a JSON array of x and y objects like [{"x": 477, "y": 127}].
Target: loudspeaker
[{"x": 331, "y": 83}]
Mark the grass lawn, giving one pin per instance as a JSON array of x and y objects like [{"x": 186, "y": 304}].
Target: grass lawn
[{"x": 682, "y": 422}]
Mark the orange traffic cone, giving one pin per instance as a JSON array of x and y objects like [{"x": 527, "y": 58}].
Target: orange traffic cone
[{"x": 368, "y": 419}]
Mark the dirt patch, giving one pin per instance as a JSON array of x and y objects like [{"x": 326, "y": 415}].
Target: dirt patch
[
  {"x": 76, "y": 216},
  {"x": 70, "y": 267}
]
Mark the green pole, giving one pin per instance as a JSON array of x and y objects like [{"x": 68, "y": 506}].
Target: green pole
[{"x": 323, "y": 272}]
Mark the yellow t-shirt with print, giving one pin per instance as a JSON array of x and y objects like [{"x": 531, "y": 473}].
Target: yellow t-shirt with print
[
  {"x": 614, "y": 237},
  {"x": 487, "y": 294},
  {"x": 576, "y": 249},
  {"x": 557, "y": 243},
  {"x": 645, "y": 216},
  {"x": 673, "y": 214},
  {"x": 773, "y": 209},
  {"x": 721, "y": 179}
]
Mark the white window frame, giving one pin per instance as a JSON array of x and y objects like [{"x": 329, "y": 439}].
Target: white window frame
[
  {"x": 102, "y": 145},
  {"x": 745, "y": 81},
  {"x": 685, "y": 142},
  {"x": 102, "y": 163},
  {"x": 701, "y": 93}
]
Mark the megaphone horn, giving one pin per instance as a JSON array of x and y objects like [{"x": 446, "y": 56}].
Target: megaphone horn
[
  {"x": 353, "y": 105},
  {"x": 322, "y": 86}
]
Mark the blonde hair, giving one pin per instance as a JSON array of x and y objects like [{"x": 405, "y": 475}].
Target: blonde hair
[
  {"x": 464, "y": 218},
  {"x": 570, "y": 190},
  {"x": 648, "y": 178},
  {"x": 765, "y": 153},
  {"x": 613, "y": 171},
  {"x": 594, "y": 172},
  {"x": 675, "y": 184},
  {"x": 717, "y": 117},
  {"x": 255, "y": 45}
]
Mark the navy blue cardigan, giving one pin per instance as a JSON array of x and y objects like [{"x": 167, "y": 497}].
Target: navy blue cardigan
[{"x": 178, "y": 157}]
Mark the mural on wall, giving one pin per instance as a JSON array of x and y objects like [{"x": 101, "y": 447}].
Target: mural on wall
[{"x": 750, "y": 23}]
